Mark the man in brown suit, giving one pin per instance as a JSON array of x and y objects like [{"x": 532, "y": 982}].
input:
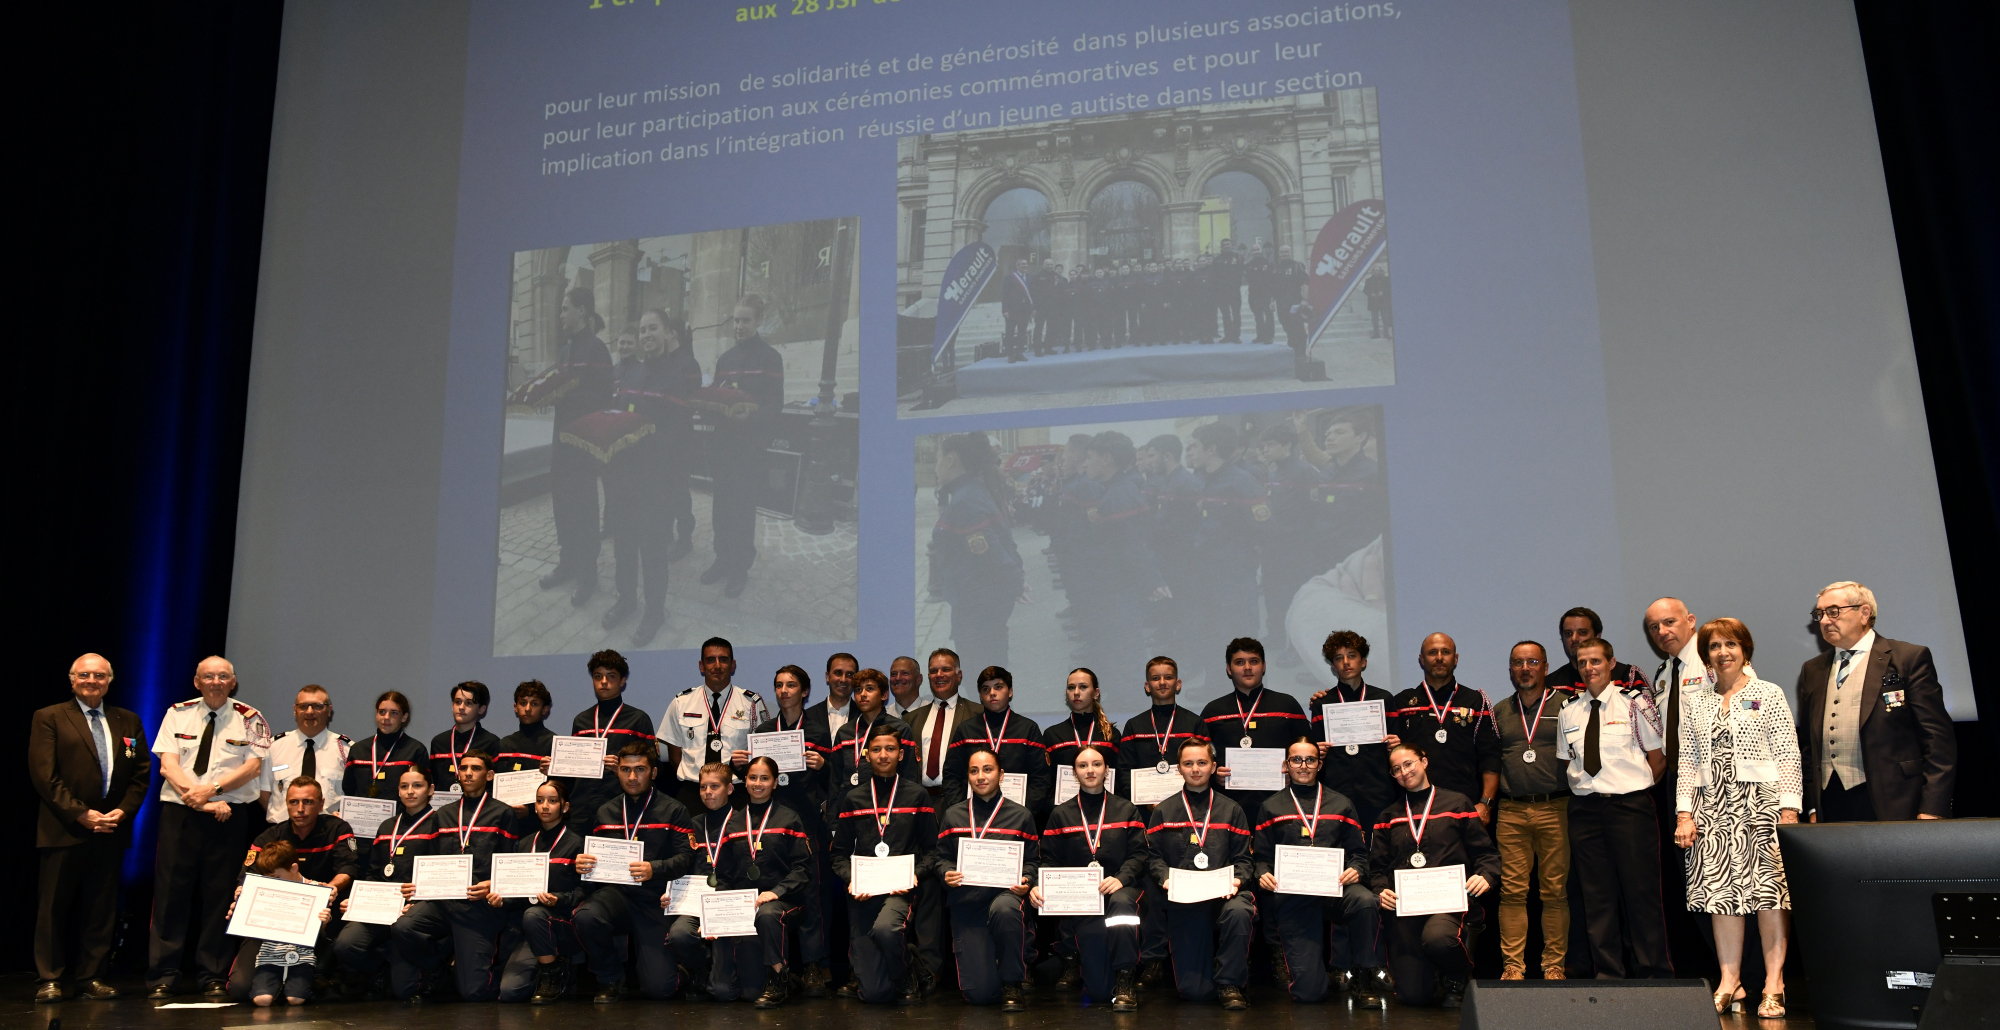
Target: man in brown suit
[{"x": 91, "y": 765}]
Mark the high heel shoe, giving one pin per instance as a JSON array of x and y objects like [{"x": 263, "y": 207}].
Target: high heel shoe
[
  {"x": 1771, "y": 1006},
  {"x": 1726, "y": 1002}
]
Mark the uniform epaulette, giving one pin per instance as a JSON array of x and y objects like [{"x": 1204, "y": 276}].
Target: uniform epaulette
[
  {"x": 1631, "y": 692},
  {"x": 243, "y": 709},
  {"x": 343, "y": 738},
  {"x": 686, "y": 692},
  {"x": 751, "y": 694},
  {"x": 188, "y": 702}
]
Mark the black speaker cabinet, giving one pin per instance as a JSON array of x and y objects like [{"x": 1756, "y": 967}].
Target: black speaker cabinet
[{"x": 1587, "y": 1005}]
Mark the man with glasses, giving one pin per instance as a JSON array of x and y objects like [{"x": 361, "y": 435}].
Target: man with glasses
[
  {"x": 1532, "y": 826},
  {"x": 91, "y": 772},
  {"x": 1875, "y": 739},
  {"x": 312, "y": 751},
  {"x": 1308, "y": 815}
]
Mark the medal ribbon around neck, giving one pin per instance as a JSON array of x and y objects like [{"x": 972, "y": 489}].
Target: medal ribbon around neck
[
  {"x": 632, "y": 830},
  {"x": 980, "y": 832},
  {"x": 1202, "y": 840},
  {"x": 1160, "y": 739},
  {"x": 881, "y": 814},
  {"x": 554, "y": 844},
  {"x": 1527, "y": 727},
  {"x": 396, "y": 841},
  {"x": 1247, "y": 719},
  {"x": 1094, "y": 840},
  {"x": 714, "y": 720},
  {"x": 1312, "y": 823},
  {"x": 713, "y": 847},
  {"x": 1417, "y": 828},
  {"x": 465, "y": 831},
  {"x": 992, "y": 741},
  {"x": 756, "y": 837},
  {"x": 1440, "y": 712},
  {"x": 602, "y": 731}
]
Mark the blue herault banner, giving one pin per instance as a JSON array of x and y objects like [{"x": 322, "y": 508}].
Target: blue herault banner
[{"x": 967, "y": 274}]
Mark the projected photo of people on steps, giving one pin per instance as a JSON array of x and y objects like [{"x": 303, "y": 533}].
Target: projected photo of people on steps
[
  {"x": 1099, "y": 545},
  {"x": 1187, "y": 252},
  {"x": 674, "y": 461}
]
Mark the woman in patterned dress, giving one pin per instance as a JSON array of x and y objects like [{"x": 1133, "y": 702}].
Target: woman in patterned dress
[{"x": 1739, "y": 778}]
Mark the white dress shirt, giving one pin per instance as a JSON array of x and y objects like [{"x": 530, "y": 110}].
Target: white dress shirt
[
  {"x": 287, "y": 763},
  {"x": 940, "y": 708},
  {"x": 241, "y": 734},
  {"x": 836, "y": 717},
  {"x": 901, "y": 710},
  {"x": 1627, "y": 728},
  {"x": 689, "y": 723}
]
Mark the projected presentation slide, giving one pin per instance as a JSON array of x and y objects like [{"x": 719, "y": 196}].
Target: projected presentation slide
[
  {"x": 1185, "y": 252},
  {"x": 1101, "y": 545},
  {"x": 658, "y": 390}
]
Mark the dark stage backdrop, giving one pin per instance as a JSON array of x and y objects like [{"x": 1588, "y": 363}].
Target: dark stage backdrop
[{"x": 144, "y": 186}]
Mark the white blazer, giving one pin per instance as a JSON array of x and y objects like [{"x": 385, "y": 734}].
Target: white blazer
[{"x": 1766, "y": 748}]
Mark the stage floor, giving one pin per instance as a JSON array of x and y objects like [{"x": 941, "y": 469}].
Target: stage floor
[{"x": 1268, "y": 1011}]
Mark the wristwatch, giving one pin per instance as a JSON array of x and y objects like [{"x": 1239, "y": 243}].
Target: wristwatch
[{"x": 1488, "y": 802}]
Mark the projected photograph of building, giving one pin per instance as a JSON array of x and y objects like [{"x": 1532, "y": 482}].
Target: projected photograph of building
[
  {"x": 1226, "y": 248},
  {"x": 680, "y": 443},
  {"x": 1100, "y": 545}
]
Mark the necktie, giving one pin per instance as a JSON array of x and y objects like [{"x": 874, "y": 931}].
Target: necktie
[
  {"x": 1840, "y": 676},
  {"x": 934, "y": 760},
  {"x": 207, "y": 741},
  {"x": 98, "y": 738},
  {"x": 1592, "y": 762},
  {"x": 1674, "y": 716},
  {"x": 307, "y": 766}
]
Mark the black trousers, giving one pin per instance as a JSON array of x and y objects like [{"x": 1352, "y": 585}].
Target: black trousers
[
  {"x": 1106, "y": 945},
  {"x": 929, "y": 921},
  {"x": 612, "y": 912},
  {"x": 1260, "y": 310},
  {"x": 635, "y": 502},
  {"x": 1303, "y": 921},
  {"x": 1209, "y": 943},
  {"x": 737, "y": 470},
  {"x": 1690, "y": 935},
  {"x": 1842, "y": 804},
  {"x": 1614, "y": 853},
  {"x": 1423, "y": 948},
  {"x": 1015, "y": 339},
  {"x": 473, "y": 929},
  {"x": 573, "y": 500},
  {"x": 990, "y": 938},
  {"x": 1295, "y": 338},
  {"x": 76, "y": 907},
  {"x": 1231, "y": 305},
  {"x": 878, "y": 930},
  {"x": 194, "y": 879},
  {"x": 742, "y": 965},
  {"x": 543, "y": 932}
]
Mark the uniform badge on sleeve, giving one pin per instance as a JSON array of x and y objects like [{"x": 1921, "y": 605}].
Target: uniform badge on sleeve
[{"x": 976, "y": 543}]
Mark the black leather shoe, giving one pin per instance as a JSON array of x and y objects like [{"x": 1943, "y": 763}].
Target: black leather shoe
[
  {"x": 912, "y": 993},
  {"x": 714, "y": 573},
  {"x": 619, "y": 612},
  {"x": 608, "y": 993},
  {"x": 215, "y": 990},
  {"x": 1281, "y": 971},
  {"x": 1371, "y": 987},
  {"x": 549, "y": 985},
  {"x": 1011, "y": 999},
  {"x": 1451, "y": 992},
  {"x": 97, "y": 990},
  {"x": 816, "y": 982},
  {"x": 1072, "y": 975},
  {"x": 850, "y": 989},
  {"x": 161, "y": 992},
  {"x": 586, "y": 588},
  {"x": 1152, "y": 973},
  {"x": 1231, "y": 997},
  {"x": 1125, "y": 993},
  {"x": 776, "y": 992},
  {"x": 49, "y": 991}
]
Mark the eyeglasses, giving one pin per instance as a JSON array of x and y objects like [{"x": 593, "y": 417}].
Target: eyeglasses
[
  {"x": 1833, "y": 611},
  {"x": 91, "y": 676},
  {"x": 1302, "y": 760},
  {"x": 1520, "y": 663},
  {"x": 310, "y": 706}
]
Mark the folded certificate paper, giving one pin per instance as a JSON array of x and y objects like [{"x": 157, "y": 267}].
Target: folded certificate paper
[
  {"x": 1150, "y": 786},
  {"x": 271, "y": 909},
  {"x": 615, "y": 856},
  {"x": 1303, "y": 870},
  {"x": 871, "y": 876},
  {"x": 1427, "y": 892},
  {"x": 441, "y": 877},
  {"x": 371, "y": 901},
  {"x": 581, "y": 757},
  {"x": 1072, "y": 892},
  {"x": 1014, "y": 787},
  {"x": 1187, "y": 886}
]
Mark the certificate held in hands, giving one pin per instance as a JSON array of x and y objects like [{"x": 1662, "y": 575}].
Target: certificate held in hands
[
  {"x": 729, "y": 914},
  {"x": 871, "y": 876},
  {"x": 279, "y": 910},
  {"x": 1072, "y": 892},
  {"x": 521, "y": 875},
  {"x": 375, "y": 902},
  {"x": 615, "y": 856},
  {"x": 785, "y": 747},
  {"x": 577, "y": 756},
  {"x": 1354, "y": 723},
  {"x": 1066, "y": 787},
  {"x": 366, "y": 815},
  {"x": 1427, "y": 892},
  {"x": 989, "y": 863},
  {"x": 1255, "y": 768},
  {"x": 517, "y": 789},
  {"x": 441, "y": 877},
  {"x": 1150, "y": 786},
  {"x": 1187, "y": 886},
  {"x": 684, "y": 896},
  {"x": 1303, "y": 870}
]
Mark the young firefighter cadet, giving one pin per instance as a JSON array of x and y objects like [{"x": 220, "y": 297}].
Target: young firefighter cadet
[
  {"x": 1198, "y": 828},
  {"x": 468, "y": 707},
  {"x": 375, "y": 765},
  {"x": 323, "y": 850},
  {"x": 1152, "y": 740},
  {"x": 1008, "y": 734},
  {"x": 769, "y": 850},
  {"x": 804, "y": 795},
  {"x": 641, "y": 812},
  {"x": 1432, "y": 827},
  {"x": 849, "y": 763},
  {"x": 1099, "y": 828},
  {"x": 1307, "y": 814},
  {"x": 989, "y": 925},
  {"x": 466, "y": 930},
  {"x": 611, "y": 718},
  {"x": 362, "y": 948},
  {"x": 538, "y": 970},
  {"x": 711, "y": 830},
  {"x": 889, "y": 814},
  {"x": 1252, "y": 715},
  {"x": 1360, "y": 771},
  {"x": 528, "y": 746}
]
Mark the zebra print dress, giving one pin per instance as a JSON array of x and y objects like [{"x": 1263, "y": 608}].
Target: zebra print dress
[{"x": 1734, "y": 867}]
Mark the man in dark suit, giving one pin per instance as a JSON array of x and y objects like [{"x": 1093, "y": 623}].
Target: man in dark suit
[
  {"x": 1017, "y": 307},
  {"x": 91, "y": 766},
  {"x": 1875, "y": 740},
  {"x": 933, "y": 722}
]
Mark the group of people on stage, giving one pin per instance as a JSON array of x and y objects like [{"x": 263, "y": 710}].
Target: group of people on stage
[
  {"x": 1151, "y": 303},
  {"x": 1157, "y": 538},
  {"x": 629, "y": 423},
  {"x": 871, "y": 842}
]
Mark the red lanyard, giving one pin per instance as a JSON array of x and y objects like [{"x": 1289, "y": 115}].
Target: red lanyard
[
  {"x": 1527, "y": 727},
  {"x": 1247, "y": 719},
  {"x": 714, "y": 720},
  {"x": 992, "y": 741},
  {"x": 757, "y": 836},
  {"x": 881, "y": 814},
  {"x": 980, "y": 832},
  {"x": 396, "y": 841},
  {"x": 1312, "y": 823},
  {"x": 1081, "y": 740},
  {"x": 712, "y": 846},
  {"x": 632, "y": 831},
  {"x": 1093, "y": 840},
  {"x": 553, "y": 845},
  {"x": 1160, "y": 739},
  {"x": 1417, "y": 828},
  {"x": 1201, "y": 841},
  {"x": 860, "y": 736},
  {"x": 1441, "y": 713},
  {"x": 464, "y": 831},
  {"x": 599, "y": 731},
  {"x": 451, "y": 745}
]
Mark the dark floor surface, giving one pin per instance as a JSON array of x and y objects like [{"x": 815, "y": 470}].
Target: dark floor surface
[{"x": 1269, "y": 1010}]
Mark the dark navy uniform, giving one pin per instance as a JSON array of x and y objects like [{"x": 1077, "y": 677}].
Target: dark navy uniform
[
  {"x": 467, "y": 931},
  {"x": 523, "y": 749},
  {"x": 1363, "y": 777},
  {"x": 1350, "y": 509},
  {"x": 989, "y": 925},
  {"x": 572, "y": 469},
  {"x": 1257, "y": 283},
  {"x": 1069, "y": 541},
  {"x": 737, "y": 450},
  {"x": 1176, "y": 499},
  {"x": 1065, "y": 738},
  {"x": 1048, "y": 288},
  {"x": 1277, "y": 722},
  {"x": 1105, "y": 829},
  {"x": 1210, "y": 939},
  {"x": 1314, "y": 817},
  {"x": 768, "y": 847},
  {"x": 1123, "y": 573},
  {"x": 1234, "y": 511},
  {"x": 327, "y": 851},
  {"x": 1016, "y": 739},
  {"x": 975, "y": 567},
  {"x": 1227, "y": 273},
  {"x": 1017, "y": 308},
  {"x": 447, "y": 748},
  {"x": 1422, "y": 948},
  {"x": 376, "y": 764},
  {"x": 619, "y": 724},
  {"x": 878, "y": 926},
  {"x": 636, "y": 483},
  {"x": 1470, "y": 748},
  {"x": 1151, "y": 737},
  {"x": 613, "y": 910},
  {"x": 1288, "y": 282},
  {"x": 847, "y": 767},
  {"x": 1287, "y": 549},
  {"x": 361, "y": 948},
  {"x": 804, "y": 795},
  {"x": 684, "y": 939},
  {"x": 545, "y": 929}
]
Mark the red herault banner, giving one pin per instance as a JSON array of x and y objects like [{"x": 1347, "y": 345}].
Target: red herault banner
[{"x": 1349, "y": 242}]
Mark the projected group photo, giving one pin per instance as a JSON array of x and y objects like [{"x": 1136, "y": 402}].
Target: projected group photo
[
  {"x": 1185, "y": 252},
  {"x": 671, "y": 463},
  {"x": 1099, "y": 545}
]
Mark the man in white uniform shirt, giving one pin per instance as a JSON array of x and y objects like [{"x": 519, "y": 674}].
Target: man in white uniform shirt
[
  {"x": 311, "y": 750},
  {"x": 1611, "y": 740},
  {"x": 710, "y": 723},
  {"x": 212, "y": 750},
  {"x": 1670, "y": 629},
  {"x": 933, "y": 723}
]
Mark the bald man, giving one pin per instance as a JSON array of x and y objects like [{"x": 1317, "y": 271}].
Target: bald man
[
  {"x": 90, "y": 768},
  {"x": 1454, "y": 724}
]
